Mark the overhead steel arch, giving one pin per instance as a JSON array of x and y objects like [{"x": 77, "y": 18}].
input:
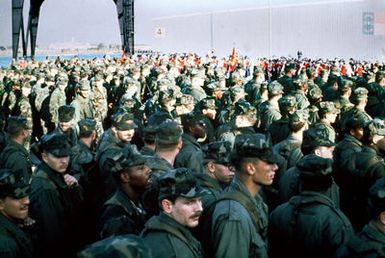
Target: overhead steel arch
[{"x": 125, "y": 11}]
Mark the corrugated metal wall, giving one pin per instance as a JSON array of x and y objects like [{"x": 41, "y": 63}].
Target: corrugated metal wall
[{"x": 318, "y": 30}]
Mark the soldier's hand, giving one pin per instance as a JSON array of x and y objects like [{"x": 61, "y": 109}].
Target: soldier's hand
[{"x": 70, "y": 181}]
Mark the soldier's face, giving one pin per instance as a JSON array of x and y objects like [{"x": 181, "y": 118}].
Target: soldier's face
[
  {"x": 263, "y": 172},
  {"x": 223, "y": 173},
  {"x": 14, "y": 209},
  {"x": 139, "y": 176},
  {"x": 210, "y": 113},
  {"x": 126, "y": 135},
  {"x": 58, "y": 164},
  {"x": 186, "y": 211},
  {"x": 65, "y": 126}
]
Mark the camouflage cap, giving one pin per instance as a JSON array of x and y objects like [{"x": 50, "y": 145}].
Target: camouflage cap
[
  {"x": 360, "y": 93},
  {"x": 218, "y": 151},
  {"x": 122, "y": 246},
  {"x": 376, "y": 201},
  {"x": 168, "y": 132},
  {"x": 56, "y": 144},
  {"x": 66, "y": 113},
  {"x": 253, "y": 146},
  {"x": 343, "y": 85},
  {"x": 328, "y": 107},
  {"x": 298, "y": 118},
  {"x": 12, "y": 184},
  {"x": 208, "y": 103},
  {"x": 315, "y": 170},
  {"x": 86, "y": 126},
  {"x": 243, "y": 107},
  {"x": 274, "y": 88},
  {"x": 197, "y": 73},
  {"x": 123, "y": 121},
  {"x": 129, "y": 156},
  {"x": 185, "y": 99},
  {"x": 315, "y": 137},
  {"x": 287, "y": 102},
  {"x": 375, "y": 127},
  {"x": 62, "y": 79},
  {"x": 83, "y": 85},
  {"x": 314, "y": 93},
  {"x": 237, "y": 91},
  {"x": 180, "y": 182},
  {"x": 16, "y": 123}
]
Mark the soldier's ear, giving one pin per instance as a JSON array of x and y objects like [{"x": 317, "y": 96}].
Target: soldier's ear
[
  {"x": 125, "y": 177},
  {"x": 381, "y": 218},
  {"x": 211, "y": 166},
  {"x": 166, "y": 206}
]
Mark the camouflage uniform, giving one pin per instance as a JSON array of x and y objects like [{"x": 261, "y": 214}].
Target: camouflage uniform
[
  {"x": 163, "y": 233},
  {"x": 14, "y": 241},
  {"x": 309, "y": 224}
]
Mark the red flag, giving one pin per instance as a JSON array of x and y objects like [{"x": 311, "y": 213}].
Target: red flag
[
  {"x": 233, "y": 60},
  {"x": 123, "y": 57}
]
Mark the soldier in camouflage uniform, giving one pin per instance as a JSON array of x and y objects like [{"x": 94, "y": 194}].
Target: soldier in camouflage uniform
[
  {"x": 370, "y": 242},
  {"x": 376, "y": 95},
  {"x": 117, "y": 247},
  {"x": 328, "y": 114},
  {"x": 65, "y": 124},
  {"x": 58, "y": 97},
  {"x": 218, "y": 171},
  {"x": 345, "y": 88},
  {"x": 268, "y": 111},
  {"x": 315, "y": 97},
  {"x": 56, "y": 199},
  {"x": 365, "y": 167},
  {"x": 123, "y": 213},
  {"x": 287, "y": 79},
  {"x": 15, "y": 156},
  {"x": 111, "y": 145},
  {"x": 168, "y": 233},
  {"x": 191, "y": 155},
  {"x": 301, "y": 89},
  {"x": 309, "y": 224},
  {"x": 255, "y": 166},
  {"x": 99, "y": 103},
  {"x": 279, "y": 129},
  {"x": 14, "y": 202},
  {"x": 82, "y": 102}
]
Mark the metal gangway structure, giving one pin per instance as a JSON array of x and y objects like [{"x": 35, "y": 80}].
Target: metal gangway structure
[{"x": 125, "y": 13}]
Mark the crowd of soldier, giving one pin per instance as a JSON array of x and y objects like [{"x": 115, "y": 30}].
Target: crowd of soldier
[{"x": 180, "y": 156}]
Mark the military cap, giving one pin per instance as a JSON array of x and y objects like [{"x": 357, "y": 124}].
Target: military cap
[
  {"x": 12, "y": 184},
  {"x": 298, "y": 118},
  {"x": 353, "y": 122},
  {"x": 253, "y": 146},
  {"x": 128, "y": 81},
  {"x": 274, "y": 88},
  {"x": 191, "y": 119},
  {"x": 315, "y": 168},
  {"x": 62, "y": 79},
  {"x": 167, "y": 94},
  {"x": 344, "y": 84},
  {"x": 56, "y": 144},
  {"x": 287, "y": 102},
  {"x": 237, "y": 91},
  {"x": 243, "y": 107},
  {"x": 208, "y": 103},
  {"x": 315, "y": 93},
  {"x": 257, "y": 70},
  {"x": 185, "y": 99},
  {"x": 149, "y": 133},
  {"x": 376, "y": 201},
  {"x": 235, "y": 77},
  {"x": 218, "y": 151},
  {"x": 328, "y": 107},
  {"x": 66, "y": 113},
  {"x": 299, "y": 82},
  {"x": 180, "y": 182},
  {"x": 315, "y": 137},
  {"x": 123, "y": 121},
  {"x": 128, "y": 157},
  {"x": 375, "y": 127},
  {"x": 122, "y": 246},
  {"x": 49, "y": 77},
  {"x": 86, "y": 126},
  {"x": 83, "y": 85},
  {"x": 360, "y": 93},
  {"x": 290, "y": 66},
  {"x": 17, "y": 123},
  {"x": 168, "y": 132}
]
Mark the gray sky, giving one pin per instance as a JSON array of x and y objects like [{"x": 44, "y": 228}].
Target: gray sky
[{"x": 95, "y": 21}]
